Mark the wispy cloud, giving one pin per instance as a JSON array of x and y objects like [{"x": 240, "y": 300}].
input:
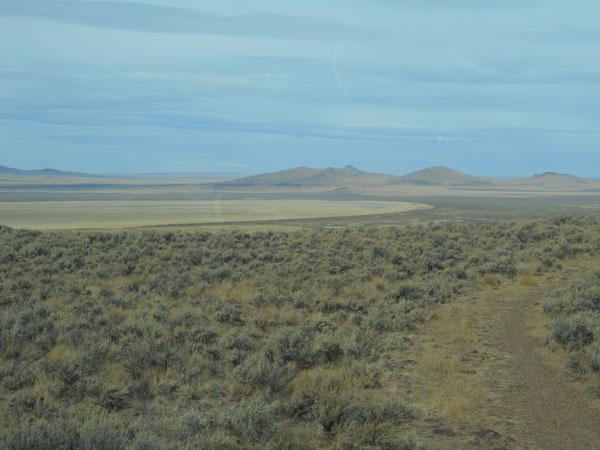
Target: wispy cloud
[
  {"x": 219, "y": 81},
  {"x": 167, "y": 19}
]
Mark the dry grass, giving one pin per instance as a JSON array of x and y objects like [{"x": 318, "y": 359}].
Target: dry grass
[
  {"x": 243, "y": 291},
  {"x": 116, "y": 373},
  {"x": 526, "y": 274},
  {"x": 491, "y": 279},
  {"x": 466, "y": 322},
  {"x": 286, "y": 315},
  {"x": 234, "y": 388},
  {"x": 449, "y": 390},
  {"x": 117, "y": 282},
  {"x": 454, "y": 395},
  {"x": 528, "y": 268},
  {"x": 180, "y": 309},
  {"x": 378, "y": 282},
  {"x": 57, "y": 303},
  {"x": 119, "y": 214},
  {"x": 321, "y": 382},
  {"x": 62, "y": 353},
  {"x": 118, "y": 314},
  {"x": 527, "y": 280},
  {"x": 44, "y": 388}
]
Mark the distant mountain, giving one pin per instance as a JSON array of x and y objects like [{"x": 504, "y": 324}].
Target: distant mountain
[
  {"x": 307, "y": 177},
  {"x": 351, "y": 178},
  {"x": 348, "y": 178},
  {"x": 44, "y": 172},
  {"x": 555, "y": 181},
  {"x": 439, "y": 175},
  {"x": 549, "y": 176}
]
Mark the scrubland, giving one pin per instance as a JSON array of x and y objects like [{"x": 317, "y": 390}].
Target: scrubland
[
  {"x": 576, "y": 309},
  {"x": 175, "y": 339}
]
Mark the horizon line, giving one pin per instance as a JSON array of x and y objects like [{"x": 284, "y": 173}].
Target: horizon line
[{"x": 138, "y": 174}]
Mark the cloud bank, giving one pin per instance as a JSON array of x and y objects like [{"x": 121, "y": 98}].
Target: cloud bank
[{"x": 493, "y": 88}]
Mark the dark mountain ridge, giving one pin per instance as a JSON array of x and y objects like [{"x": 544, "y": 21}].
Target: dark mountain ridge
[
  {"x": 4, "y": 170},
  {"x": 440, "y": 175},
  {"x": 349, "y": 177},
  {"x": 306, "y": 176}
]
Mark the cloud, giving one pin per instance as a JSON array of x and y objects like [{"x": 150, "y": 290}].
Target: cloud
[
  {"x": 512, "y": 77},
  {"x": 577, "y": 34},
  {"x": 167, "y": 19},
  {"x": 470, "y": 5},
  {"x": 165, "y": 117}
]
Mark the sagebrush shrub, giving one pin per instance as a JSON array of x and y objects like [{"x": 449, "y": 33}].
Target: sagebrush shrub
[{"x": 111, "y": 338}]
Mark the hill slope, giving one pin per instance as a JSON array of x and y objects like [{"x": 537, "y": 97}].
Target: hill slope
[
  {"x": 351, "y": 178},
  {"x": 4, "y": 170},
  {"x": 308, "y": 177},
  {"x": 346, "y": 178},
  {"x": 554, "y": 181},
  {"x": 440, "y": 175}
]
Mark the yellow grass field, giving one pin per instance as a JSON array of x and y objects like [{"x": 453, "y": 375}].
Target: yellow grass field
[{"x": 120, "y": 214}]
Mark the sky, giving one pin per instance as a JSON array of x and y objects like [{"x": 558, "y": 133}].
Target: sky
[{"x": 489, "y": 87}]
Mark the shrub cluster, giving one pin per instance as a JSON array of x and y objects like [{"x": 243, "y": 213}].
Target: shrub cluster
[
  {"x": 577, "y": 324},
  {"x": 143, "y": 339}
]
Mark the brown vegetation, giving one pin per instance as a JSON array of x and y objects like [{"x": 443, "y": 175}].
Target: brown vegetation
[{"x": 234, "y": 340}]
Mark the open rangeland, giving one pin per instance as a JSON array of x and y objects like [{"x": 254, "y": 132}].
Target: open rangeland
[
  {"x": 437, "y": 335},
  {"x": 120, "y": 214}
]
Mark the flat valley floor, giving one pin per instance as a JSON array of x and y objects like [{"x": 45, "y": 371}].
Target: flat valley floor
[{"x": 114, "y": 214}]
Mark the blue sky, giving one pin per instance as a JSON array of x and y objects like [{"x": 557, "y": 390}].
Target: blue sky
[{"x": 499, "y": 88}]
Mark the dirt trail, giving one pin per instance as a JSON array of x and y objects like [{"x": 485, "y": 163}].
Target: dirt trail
[
  {"x": 486, "y": 379},
  {"x": 548, "y": 409}
]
